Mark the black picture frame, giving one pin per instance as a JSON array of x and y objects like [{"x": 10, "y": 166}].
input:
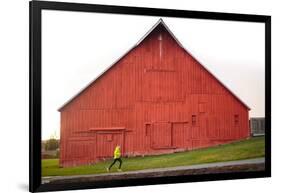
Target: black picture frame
[{"x": 35, "y": 12}]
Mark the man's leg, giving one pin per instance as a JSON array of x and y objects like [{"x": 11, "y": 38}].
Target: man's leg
[{"x": 112, "y": 164}]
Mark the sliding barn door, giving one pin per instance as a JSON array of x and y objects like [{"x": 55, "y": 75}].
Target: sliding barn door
[{"x": 161, "y": 135}]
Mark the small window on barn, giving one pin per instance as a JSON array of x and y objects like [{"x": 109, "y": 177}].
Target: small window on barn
[
  {"x": 202, "y": 107},
  {"x": 236, "y": 120},
  {"x": 193, "y": 120},
  {"x": 147, "y": 129},
  {"x": 109, "y": 137}
]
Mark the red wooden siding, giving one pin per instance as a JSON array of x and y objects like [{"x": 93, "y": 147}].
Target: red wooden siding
[{"x": 164, "y": 100}]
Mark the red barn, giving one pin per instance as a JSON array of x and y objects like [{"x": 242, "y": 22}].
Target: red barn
[{"x": 157, "y": 98}]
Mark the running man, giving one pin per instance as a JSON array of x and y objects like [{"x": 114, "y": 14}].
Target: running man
[{"x": 117, "y": 157}]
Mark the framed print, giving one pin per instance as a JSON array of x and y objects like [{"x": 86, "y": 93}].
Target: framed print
[{"x": 126, "y": 96}]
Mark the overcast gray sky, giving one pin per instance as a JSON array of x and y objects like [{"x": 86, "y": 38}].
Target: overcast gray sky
[{"x": 77, "y": 47}]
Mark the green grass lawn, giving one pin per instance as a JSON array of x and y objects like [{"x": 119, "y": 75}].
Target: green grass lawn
[{"x": 251, "y": 148}]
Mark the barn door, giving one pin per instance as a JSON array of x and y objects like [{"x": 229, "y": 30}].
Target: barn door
[
  {"x": 180, "y": 135},
  {"x": 161, "y": 135},
  {"x": 106, "y": 143},
  {"x": 188, "y": 135}
]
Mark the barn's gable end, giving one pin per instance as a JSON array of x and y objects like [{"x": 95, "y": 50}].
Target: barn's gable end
[{"x": 125, "y": 68}]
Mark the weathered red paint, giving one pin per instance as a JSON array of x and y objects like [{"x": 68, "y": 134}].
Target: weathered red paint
[{"x": 156, "y": 99}]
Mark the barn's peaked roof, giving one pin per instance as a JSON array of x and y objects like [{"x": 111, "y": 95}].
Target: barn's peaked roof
[{"x": 158, "y": 23}]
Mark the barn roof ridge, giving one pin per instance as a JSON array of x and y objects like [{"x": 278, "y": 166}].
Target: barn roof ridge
[{"x": 160, "y": 21}]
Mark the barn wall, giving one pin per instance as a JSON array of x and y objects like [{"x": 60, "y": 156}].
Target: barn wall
[{"x": 156, "y": 90}]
